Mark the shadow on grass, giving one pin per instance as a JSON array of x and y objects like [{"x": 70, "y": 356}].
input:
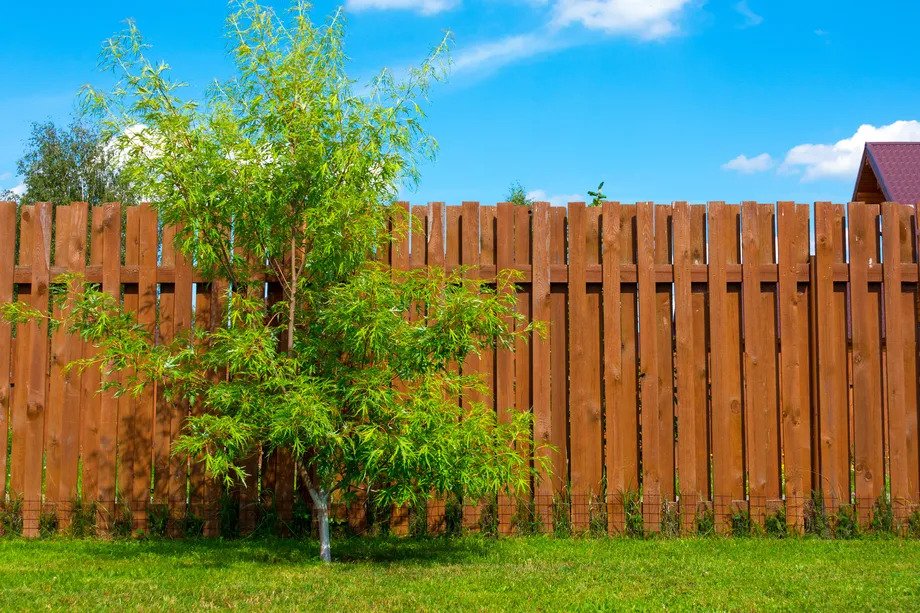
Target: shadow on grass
[{"x": 217, "y": 553}]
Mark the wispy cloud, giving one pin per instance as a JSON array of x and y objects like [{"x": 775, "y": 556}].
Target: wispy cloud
[
  {"x": 645, "y": 20},
  {"x": 840, "y": 160},
  {"x": 491, "y": 55},
  {"x": 649, "y": 19},
  {"x": 6, "y": 176},
  {"x": 425, "y": 7},
  {"x": 751, "y": 18},
  {"x": 746, "y": 165},
  {"x": 539, "y": 195}
]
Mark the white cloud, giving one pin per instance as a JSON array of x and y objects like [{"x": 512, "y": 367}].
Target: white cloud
[
  {"x": 746, "y": 165},
  {"x": 6, "y": 176},
  {"x": 751, "y": 18},
  {"x": 539, "y": 195},
  {"x": 495, "y": 54},
  {"x": 647, "y": 19},
  {"x": 425, "y": 7},
  {"x": 840, "y": 160},
  {"x": 19, "y": 190}
]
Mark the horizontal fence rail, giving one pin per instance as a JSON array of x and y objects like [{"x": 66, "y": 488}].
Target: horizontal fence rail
[{"x": 704, "y": 364}]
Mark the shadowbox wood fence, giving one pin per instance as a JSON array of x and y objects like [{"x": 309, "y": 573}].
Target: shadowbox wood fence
[{"x": 696, "y": 355}]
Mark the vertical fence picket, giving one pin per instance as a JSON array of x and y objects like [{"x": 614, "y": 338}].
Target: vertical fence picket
[
  {"x": 688, "y": 456},
  {"x": 579, "y": 419},
  {"x": 700, "y": 361},
  {"x": 894, "y": 350},
  {"x": 164, "y": 411},
  {"x": 522, "y": 357},
  {"x": 664, "y": 332},
  {"x": 540, "y": 357},
  {"x": 760, "y": 411},
  {"x": 504, "y": 358},
  {"x": 907, "y": 225},
  {"x": 865, "y": 306},
  {"x": 725, "y": 334},
  {"x": 795, "y": 391},
  {"x": 559, "y": 362},
  {"x": 627, "y": 398},
  {"x": 7, "y": 268},
  {"x": 615, "y": 436},
  {"x": 648, "y": 369},
  {"x": 29, "y": 393},
  {"x": 65, "y": 395},
  {"x": 832, "y": 388}
]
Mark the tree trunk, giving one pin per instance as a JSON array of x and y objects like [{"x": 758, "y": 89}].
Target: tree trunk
[{"x": 321, "y": 506}]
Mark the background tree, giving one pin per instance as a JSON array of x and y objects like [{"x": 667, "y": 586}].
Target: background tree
[
  {"x": 285, "y": 170},
  {"x": 64, "y": 165},
  {"x": 518, "y": 195}
]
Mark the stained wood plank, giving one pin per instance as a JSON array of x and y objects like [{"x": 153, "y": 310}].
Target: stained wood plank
[
  {"x": 130, "y": 437},
  {"x": 724, "y": 322},
  {"x": 165, "y": 412},
  {"x": 700, "y": 348},
  {"x": 908, "y": 299},
  {"x": 7, "y": 266},
  {"x": 760, "y": 409},
  {"x": 648, "y": 370},
  {"x": 30, "y": 403},
  {"x": 795, "y": 392},
  {"x": 689, "y": 455},
  {"x": 616, "y": 423},
  {"x": 108, "y": 420},
  {"x": 62, "y": 445},
  {"x": 559, "y": 362},
  {"x": 183, "y": 291},
  {"x": 148, "y": 253},
  {"x": 665, "y": 354},
  {"x": 628, "y": 397},
  {"x": 540, "y": 307},
  {"x": 505, "y": 358},
  {"x": 865, "y": 305},
  {"x": 894, "y": 353},
  {"x": 832, "y": 389}
]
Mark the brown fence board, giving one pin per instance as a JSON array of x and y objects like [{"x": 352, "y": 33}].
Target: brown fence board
[
  {"x": 865, "y": 304},
  {"x": 699, "y": 347},
  {"x": 30, "y": 400},
  {"x": 832, "y": 390},
  {"x": 628, "y": 397},
  {"x": 685, "y": 381},
  {"x": 664, "y": 325},
  {"x": 759, "y": 352},
  {"x": 649, "y": 380},
  {"x": 62, "y": 431},
  {"x": 559, "y": 347},
  {"x": 540, "y": 357},
  {"x": 795, "y": 386},
  {"x": 7, "y": 265},
  {"x": 615, "y": 435}
]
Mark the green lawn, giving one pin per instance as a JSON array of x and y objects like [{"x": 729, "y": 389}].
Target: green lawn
[{"x": 464, "y": 574}]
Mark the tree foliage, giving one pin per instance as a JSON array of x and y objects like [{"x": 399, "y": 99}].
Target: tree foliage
[
  {"x": 287, "y": 170},
  {"x": 72, "y": 164}
]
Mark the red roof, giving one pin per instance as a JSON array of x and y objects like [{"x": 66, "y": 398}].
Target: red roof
[{"x": 897, "y": 168}]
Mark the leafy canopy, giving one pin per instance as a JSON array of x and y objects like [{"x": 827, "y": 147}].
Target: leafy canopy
[
  {"x": 64, "y": 165},
  {"x": 288, "y": 170}
]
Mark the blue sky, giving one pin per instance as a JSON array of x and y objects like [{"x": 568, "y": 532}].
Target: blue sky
[{"x": 662, "y": 99}]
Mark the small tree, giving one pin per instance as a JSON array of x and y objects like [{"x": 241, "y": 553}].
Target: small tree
[
  {"x": 285, "y": 170},
  {"x": 517, "y": 195},
  {"x": 63, "y": 165}
]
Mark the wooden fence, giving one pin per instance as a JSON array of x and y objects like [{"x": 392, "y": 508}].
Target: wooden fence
[{"x": 699, "y": 353}]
